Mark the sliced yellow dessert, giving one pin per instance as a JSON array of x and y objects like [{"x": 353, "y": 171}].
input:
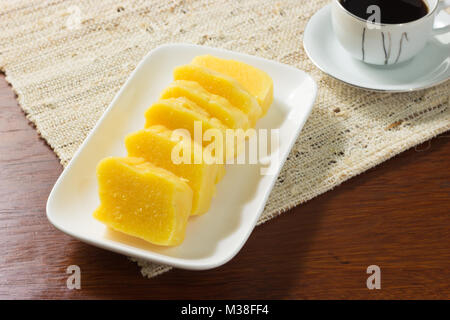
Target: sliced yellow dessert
[
  {"x": 156, "y": 144},
  {"x": 215, "y": 105},
  {"x": 220, "y": 173},
  {"x": 255, "y": 81},
  {"x": 181, "y": 113},
  {"x": 142, "y": 200},
  {"x": 222, "y": 85}
]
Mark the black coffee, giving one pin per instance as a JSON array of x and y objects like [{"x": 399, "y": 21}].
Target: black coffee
[{"x": 392, "y": 11}]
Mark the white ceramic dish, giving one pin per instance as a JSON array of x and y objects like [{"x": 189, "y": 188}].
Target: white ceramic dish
[
  {"x": 216, "y": 237},
  {"x": 428, "y": 68}
]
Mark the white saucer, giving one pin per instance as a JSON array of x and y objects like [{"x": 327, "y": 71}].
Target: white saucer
[{"x": 429, "y": 68}]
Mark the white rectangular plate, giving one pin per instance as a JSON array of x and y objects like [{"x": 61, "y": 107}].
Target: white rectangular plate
[{"x": 216, "y": 237}]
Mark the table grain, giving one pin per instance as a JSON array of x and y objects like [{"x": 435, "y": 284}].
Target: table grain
[{"x": 395, "y": 216}]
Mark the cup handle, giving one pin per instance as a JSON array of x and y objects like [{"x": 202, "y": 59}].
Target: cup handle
[{"x": 441, "y": 6}]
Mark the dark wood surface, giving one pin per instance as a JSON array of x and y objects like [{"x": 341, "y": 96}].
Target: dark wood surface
[{"x": 395, "y": 216}]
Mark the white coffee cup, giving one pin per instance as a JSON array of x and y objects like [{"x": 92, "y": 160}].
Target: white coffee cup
[{"x": 385, "y": 44}]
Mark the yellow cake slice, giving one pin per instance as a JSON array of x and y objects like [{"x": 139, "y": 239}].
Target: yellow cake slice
[
  {"x": 254, "y": 80},
  {"x": 215, "y": 105},
  {"x": 142, "y": 200},
  {"x": 220, "y": 173},
  {"x": 156, "y": 144},
  {"x": 181, "y": 113},
  {"x": 222, "y": 85}
]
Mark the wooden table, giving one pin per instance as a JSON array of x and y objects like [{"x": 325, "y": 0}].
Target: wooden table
[{"x": 395, "y": 216}]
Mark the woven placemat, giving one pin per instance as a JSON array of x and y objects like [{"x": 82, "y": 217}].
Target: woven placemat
[{"x": 67, "y": 59}]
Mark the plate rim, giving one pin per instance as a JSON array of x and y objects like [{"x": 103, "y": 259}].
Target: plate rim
[{"x": 160, "y": 258}]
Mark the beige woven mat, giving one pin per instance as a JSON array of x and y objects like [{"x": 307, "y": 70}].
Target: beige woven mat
[{"x": 67, "y": 59}]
